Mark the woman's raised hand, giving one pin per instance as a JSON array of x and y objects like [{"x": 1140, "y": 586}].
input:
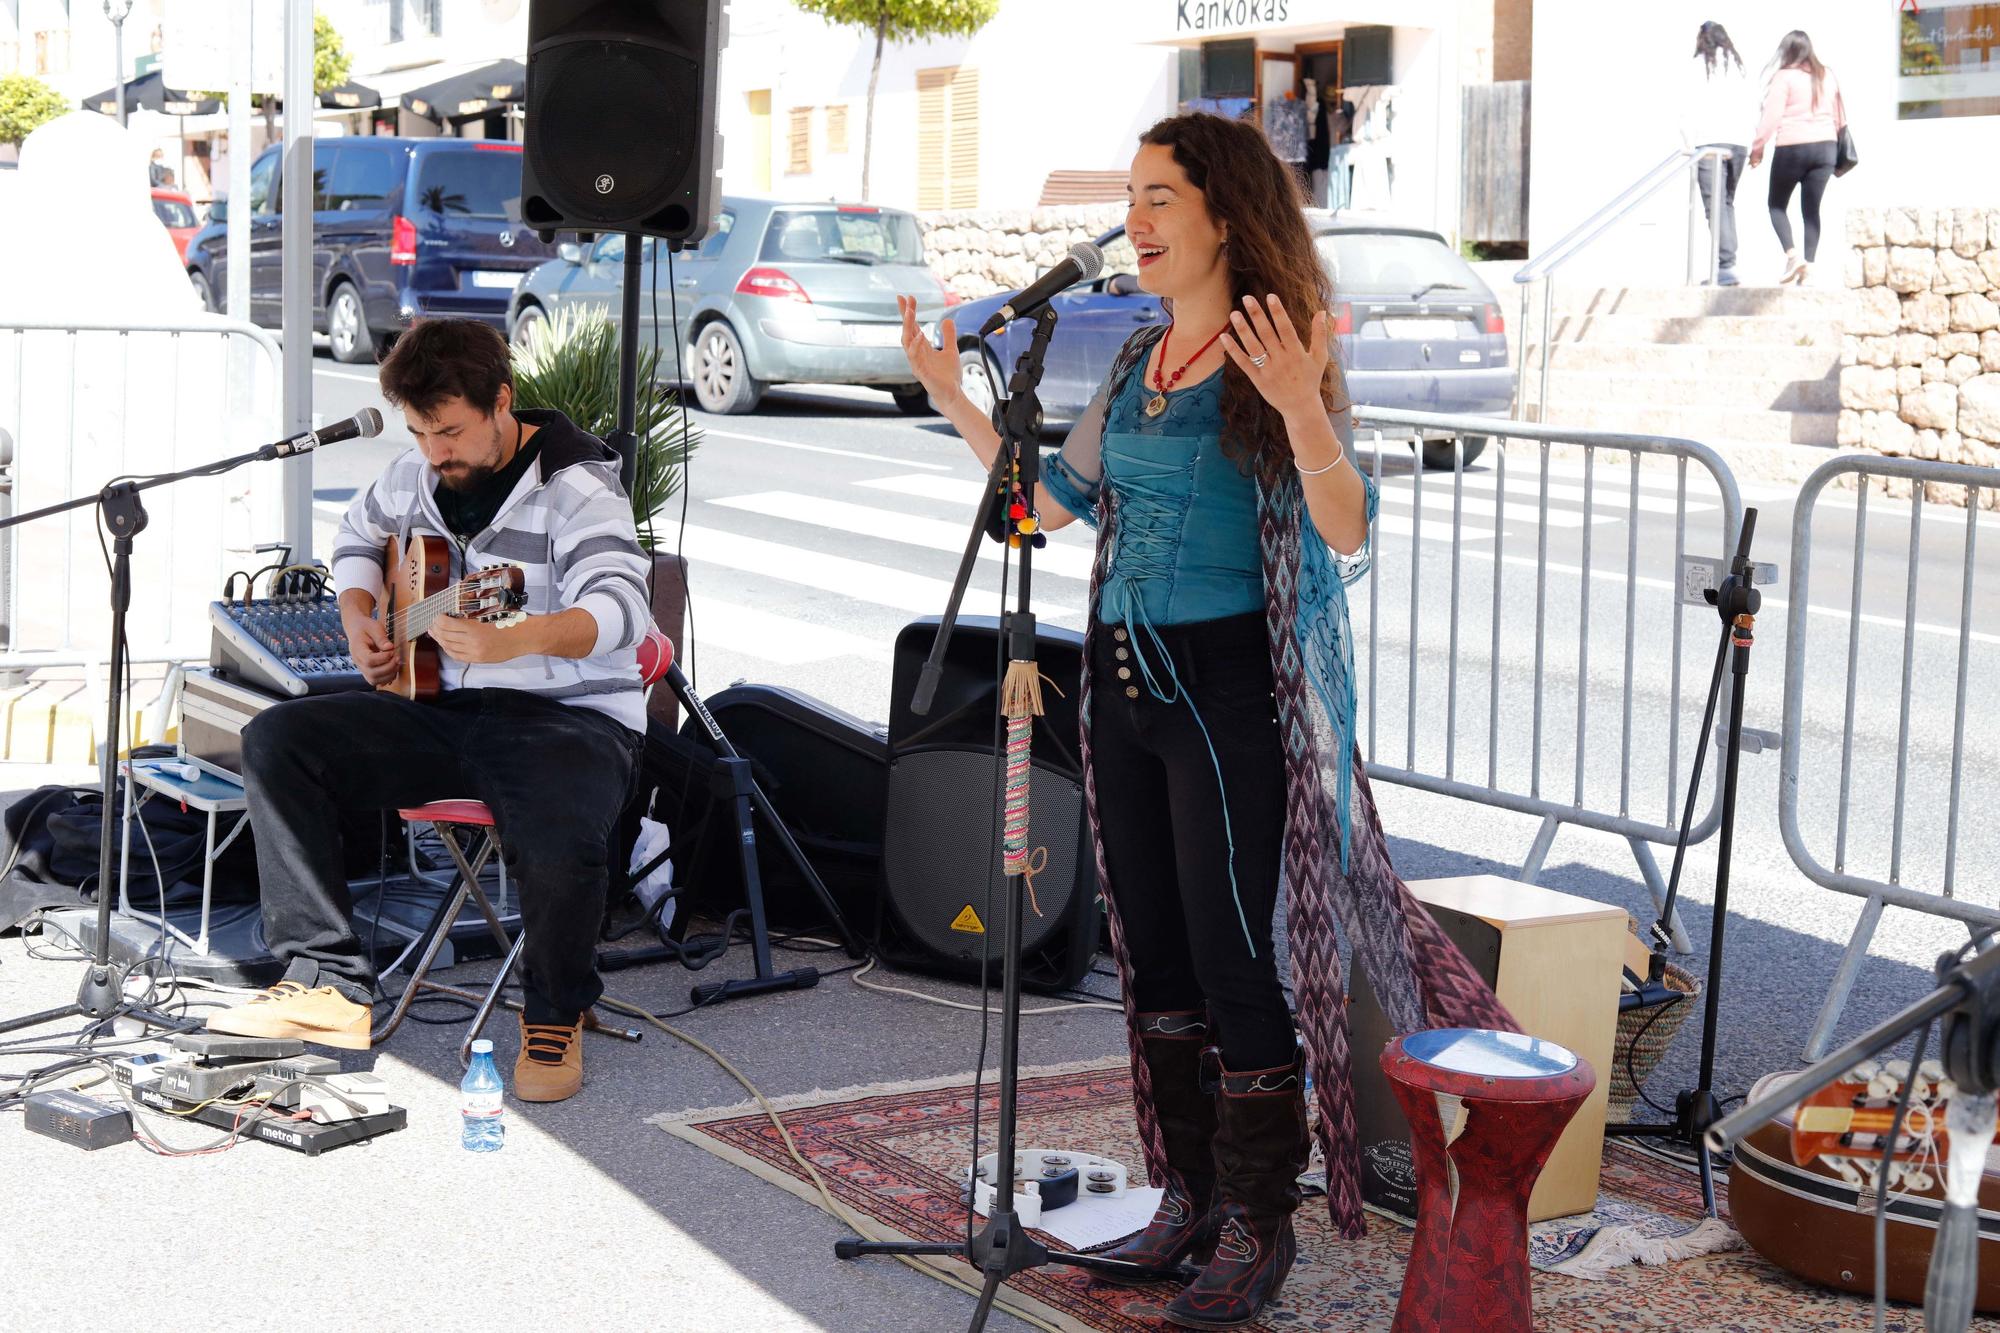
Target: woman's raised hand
[
  {"x": 936, "y": 368},
  {"x": 1266, "y": 347}
]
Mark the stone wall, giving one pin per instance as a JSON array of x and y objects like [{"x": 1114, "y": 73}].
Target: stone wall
[
  {"x": 1920, "y": 362},
  {"x": 978, "y": 252}
]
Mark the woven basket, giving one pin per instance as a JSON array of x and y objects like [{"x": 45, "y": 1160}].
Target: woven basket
[{"x": 1643, "y": 1038}]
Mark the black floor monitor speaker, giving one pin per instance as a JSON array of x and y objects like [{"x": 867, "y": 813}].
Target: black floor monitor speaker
[
  {"x": 940, "y": 853},
  {"x": 620, "y": 128}
]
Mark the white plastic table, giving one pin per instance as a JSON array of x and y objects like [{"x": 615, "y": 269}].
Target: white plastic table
[{"x": 206, "y": 792}]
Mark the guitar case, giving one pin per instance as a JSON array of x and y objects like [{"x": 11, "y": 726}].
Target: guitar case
[{"x": 1810, "y": 1221}]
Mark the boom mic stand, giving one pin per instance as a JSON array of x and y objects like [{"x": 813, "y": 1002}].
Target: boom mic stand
[
  {"x": 102, "y": 993},
  {"x": 1737, "y": 602},
  {"x": 1004, "y": 1247}
]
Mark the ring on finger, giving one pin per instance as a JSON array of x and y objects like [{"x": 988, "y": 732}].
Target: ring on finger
[{"x": 1258, "y": 361}]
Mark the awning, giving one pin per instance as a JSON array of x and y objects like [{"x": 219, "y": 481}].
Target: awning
[
  {"x": 472, "y": 93},
  {"x": 149, "y": 92},
  {"x": 350, "y": 96}
]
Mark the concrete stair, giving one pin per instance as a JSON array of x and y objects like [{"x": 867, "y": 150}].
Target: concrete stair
[{"x": 1749, "y": 365}]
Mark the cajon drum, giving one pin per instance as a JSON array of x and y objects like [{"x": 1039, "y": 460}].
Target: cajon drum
[{"x": 1554, "y": 960}]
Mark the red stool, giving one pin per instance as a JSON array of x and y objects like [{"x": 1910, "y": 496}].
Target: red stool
[
  {"x": 656, "y": 658},
  {"x": 1510, "y": 1097}
]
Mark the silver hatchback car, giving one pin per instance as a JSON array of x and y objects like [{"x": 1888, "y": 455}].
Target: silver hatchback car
[{"x": 799, "y": 293}]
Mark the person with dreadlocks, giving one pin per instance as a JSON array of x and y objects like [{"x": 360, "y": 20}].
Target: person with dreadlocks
[
  {"x": 1717, "y": 108},
  {"x": 1219, "y": 749}
]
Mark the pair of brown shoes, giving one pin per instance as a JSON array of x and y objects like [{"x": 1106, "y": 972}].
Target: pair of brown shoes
[{"x": 549, "y": 1068}]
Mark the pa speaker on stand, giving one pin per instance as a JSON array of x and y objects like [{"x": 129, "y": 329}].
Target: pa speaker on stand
[
  {"x": 939, "y": 868},
  {"x": 620, "y": 129}
]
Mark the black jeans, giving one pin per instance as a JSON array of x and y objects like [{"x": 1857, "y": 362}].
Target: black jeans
[
  {"x": 1808, "y": 167},
  {"x": 1161, "y": 824},
  {"x": 556, "y": 778},
  {"x": 1732, "y": 172}
]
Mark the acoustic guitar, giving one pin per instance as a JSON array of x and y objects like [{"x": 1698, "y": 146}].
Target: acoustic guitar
[{"x": 419, "y": 589}]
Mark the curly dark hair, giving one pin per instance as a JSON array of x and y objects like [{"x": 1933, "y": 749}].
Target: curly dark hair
[
  {"x": 1257, "y": 201},
  {"x": 447, "y": 358}
]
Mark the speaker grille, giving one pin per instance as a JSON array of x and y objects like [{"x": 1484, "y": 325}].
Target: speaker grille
[
  {"x": 940, "y": 850},
  {"x": 616, "y": 129}
]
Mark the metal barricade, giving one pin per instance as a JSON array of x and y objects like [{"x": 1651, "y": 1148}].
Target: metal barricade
[
  {"x": 94, "y": 400},
  {"x": 1933, "y": 855},
  {"x": 1457, "y": 667}
]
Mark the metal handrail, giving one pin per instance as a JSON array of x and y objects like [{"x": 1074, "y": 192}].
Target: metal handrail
[{"x": 1578, "y": 237}]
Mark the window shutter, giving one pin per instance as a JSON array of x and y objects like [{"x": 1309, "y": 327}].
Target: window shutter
[
  {"x": 933, "y": 89},
  {"x": 836, "y": 128},
  {"x": 800, "y": 161},
  {"x": 964, "y": 192}
]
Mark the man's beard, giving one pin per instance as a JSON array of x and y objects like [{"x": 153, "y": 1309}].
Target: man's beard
[{"x": 464, "y": 477}]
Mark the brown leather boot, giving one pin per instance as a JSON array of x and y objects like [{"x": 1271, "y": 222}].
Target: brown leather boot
[
  {"x": 1183, "y": 1226},
  {"x": 1261, "y": 1145},
  {"x": 550, "y": 1065}
]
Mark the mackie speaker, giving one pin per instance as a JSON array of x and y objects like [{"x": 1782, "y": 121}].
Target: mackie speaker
[
  {"x": 941, "y": 847},
  {"x": 620, "y": 129}
]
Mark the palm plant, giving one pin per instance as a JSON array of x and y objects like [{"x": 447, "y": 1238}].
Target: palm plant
[{"x": 571, "y": 365}]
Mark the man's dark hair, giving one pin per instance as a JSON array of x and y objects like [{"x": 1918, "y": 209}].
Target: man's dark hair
[{"x": 440, "y": 359}]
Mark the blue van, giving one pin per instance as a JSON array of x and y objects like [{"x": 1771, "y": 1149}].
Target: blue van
[{"x": 402, "y": 228}]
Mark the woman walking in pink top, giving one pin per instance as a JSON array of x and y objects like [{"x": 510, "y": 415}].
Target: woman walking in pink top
[{"x": 1803, "y": 116}]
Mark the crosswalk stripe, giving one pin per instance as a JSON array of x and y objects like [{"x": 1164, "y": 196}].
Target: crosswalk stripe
[
  {"x": 924, "y": 486},
  {"x": 785, "y": 640},
  {"x": 857, "y": 579},
  {"x": 930, "y": 533},
  {"x": 711, "y": 431},
  {"x": 1434, "y": 529},
  {"x": 1437, "y": 509}
]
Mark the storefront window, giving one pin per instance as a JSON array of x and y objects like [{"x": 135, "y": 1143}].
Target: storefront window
[
  {"x": 1948, "y": 61},
  {"x": 1229, "y": 69}
]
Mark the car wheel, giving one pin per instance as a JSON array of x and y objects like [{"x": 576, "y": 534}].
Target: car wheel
[
  {"x": 722, "y": 381},
  {"x": 205, "y": 293},
  {"x": 1438, "y": 453},
  {"x": 913, "y": 401},
  {"x": 530, "y": 323},
  {"x": 347, "y": 326},
  {"x": 977, "y": 380}
]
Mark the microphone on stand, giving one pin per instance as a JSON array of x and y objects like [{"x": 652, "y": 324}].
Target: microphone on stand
[
  {"x": 364, "y": 424},
  {"x": 1085, "y": 262}
]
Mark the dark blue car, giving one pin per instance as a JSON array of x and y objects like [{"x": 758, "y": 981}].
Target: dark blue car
[
  {"x": 1417, "y": 329},
  {"x": 401, "y": 228}
]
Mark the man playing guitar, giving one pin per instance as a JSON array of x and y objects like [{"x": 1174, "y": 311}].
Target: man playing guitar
[{"x": 542, "y": 720}]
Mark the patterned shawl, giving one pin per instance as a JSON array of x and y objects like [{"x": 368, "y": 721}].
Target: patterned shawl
[{"x": 1337, "y": 867}]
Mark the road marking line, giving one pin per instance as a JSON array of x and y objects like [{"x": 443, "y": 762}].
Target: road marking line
[
  {"x": 822, "y": 449},
  {"x": 857, "y": 579},
  {"x": 784, "y": 640},
  {"x": 1437, "y": 530},
  {"x": 1437, "y": 508},
  {"x": 1609, "y": 493},
  {"x": 930, "y": 533},
  {"x": 953, "y": 490}
]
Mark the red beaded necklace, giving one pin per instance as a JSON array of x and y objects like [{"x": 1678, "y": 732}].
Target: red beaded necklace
[{"x": 1162, "y": 387}]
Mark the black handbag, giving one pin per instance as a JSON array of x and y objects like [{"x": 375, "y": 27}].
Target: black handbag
[{"x": 1844, "y": 154}]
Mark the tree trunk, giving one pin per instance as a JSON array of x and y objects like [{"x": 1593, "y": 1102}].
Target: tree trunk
[{"x": 868, "y": 125}]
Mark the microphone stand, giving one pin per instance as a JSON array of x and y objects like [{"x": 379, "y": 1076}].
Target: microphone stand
[
  {"x": 101, "y": 996},
  {"x": 1004, "y": 1247},
  {"x": 1737, "y": 602}
]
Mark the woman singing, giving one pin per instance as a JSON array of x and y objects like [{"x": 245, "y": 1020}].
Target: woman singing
[{"x": 1219, "y": 712}]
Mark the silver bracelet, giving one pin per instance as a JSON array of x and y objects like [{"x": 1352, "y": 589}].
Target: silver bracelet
[{"x": 1338, "y": 459}]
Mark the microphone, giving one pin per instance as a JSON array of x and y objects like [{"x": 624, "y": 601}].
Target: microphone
[
  {"x": 1085, "y": 262},
  {"x": 365, "y": 424}
]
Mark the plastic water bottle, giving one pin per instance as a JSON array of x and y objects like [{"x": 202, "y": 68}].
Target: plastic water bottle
[{"x": 480, "y": 1102}]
